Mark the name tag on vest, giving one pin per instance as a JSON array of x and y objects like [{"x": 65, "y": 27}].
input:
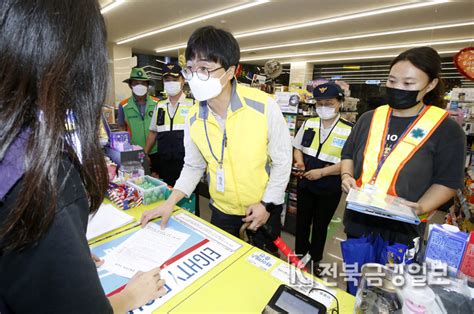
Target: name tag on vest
[
  {"x": 184, "y": 112},
  {"x": 220, "y": 180},
  {"x": 338, "y": 142}
]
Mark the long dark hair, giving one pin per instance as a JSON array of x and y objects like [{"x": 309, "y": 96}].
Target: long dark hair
[
  {"x": 427, "y": 60},
  {"x": 53, "y": 58}
]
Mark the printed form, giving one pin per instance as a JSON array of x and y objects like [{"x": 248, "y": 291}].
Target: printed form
[{"x": 146, "y": 249}]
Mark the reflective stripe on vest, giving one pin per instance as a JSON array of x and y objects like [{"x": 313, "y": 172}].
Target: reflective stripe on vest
[
  {"x": 420, "y": 131},
  {"x": 245, "y": 154},
  {"x": 179, "y": 117},
  {"x": 332, "y": 147},
  {"x": 138, "y": 126}
]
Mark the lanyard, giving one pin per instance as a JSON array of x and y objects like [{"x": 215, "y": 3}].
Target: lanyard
[
  {"x": 224, "y": 143},
  {"x": 384, "y": 158},
  {"x": 330, "y": 131},
  {"x": 168, "y": 110}
]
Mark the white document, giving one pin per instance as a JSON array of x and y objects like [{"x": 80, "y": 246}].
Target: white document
[
  {"x": 182, "y": 273},
  {"x": 106, "y": 219},
  {"x": 208, "y": 232},
  {"x": 381, "y": 205},
  {"x": 146, "y": 249}
]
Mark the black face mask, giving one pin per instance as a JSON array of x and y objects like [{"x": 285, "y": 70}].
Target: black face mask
[{"x": 402, "y": 99}]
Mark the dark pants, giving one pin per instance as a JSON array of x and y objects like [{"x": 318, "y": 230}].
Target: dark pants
[
  {"x": 232, "y": 224},
  {"x": 316, "y": 210},
  {"x": 169, "y": 168},
  {"x": 153, "y": 162}
]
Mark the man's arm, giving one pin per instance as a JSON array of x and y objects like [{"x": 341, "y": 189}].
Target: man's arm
[{"x": 280, "y": 153}]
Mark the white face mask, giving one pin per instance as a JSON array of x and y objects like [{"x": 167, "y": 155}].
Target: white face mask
[
  {"x": 140, "y": 89},
  {"x": 172, "y": 88},
  {"x": 326, "y": 113},
  {"x": 205, "y": 90}
]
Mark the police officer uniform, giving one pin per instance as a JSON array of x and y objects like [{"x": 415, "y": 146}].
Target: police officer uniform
[
  {"x": 317, "y": 200},
  {"x": 168, "y": 121}
]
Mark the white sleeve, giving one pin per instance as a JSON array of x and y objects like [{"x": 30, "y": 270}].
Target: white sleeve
[
  {"x": 194, "y": 164},
  {"x": 280, "y": 152},
  {"x": 153, "y": 126}
]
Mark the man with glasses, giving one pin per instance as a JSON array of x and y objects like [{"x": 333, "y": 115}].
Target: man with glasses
[
  {"x": 238, "y": 134},
  {"x": 317, "y": 155}
]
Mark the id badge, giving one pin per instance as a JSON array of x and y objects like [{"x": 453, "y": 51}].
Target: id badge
[{"x": 220, "y": 180}]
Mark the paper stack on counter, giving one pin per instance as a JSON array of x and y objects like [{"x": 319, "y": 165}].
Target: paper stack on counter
[
  {"x": 381, "y": 205},
  {"x": 106, "y": 219},
  {"x": 146, "y": 249}
]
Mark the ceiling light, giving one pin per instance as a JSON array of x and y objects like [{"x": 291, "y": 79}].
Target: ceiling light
[
  {"x": 335, "y": 19},
  {"x": 322, "y": 71},
  {"x": 363, "y": 57},
  {"x": 320, "y": 22},
  {"x": 362, "y": 66},
  {"x": 319, "y": 41},
  {"x": 319, "y": 53},
  {"x": 359, "y": 71},
  {"x": 194, "y": 20},
  {"x": 111, "y": 6}
]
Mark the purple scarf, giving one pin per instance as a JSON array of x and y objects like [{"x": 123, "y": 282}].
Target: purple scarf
[{"x": 12, "y": 166}]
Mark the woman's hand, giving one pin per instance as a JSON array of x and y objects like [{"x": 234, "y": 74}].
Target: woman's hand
[
  {"x": 97, "y": 261},
  {"x": 300, "y": 166},
  {"x": 142, "y": 288},
  {"x": 314, "y": 174},
  {"x": 348, "y": 182}
]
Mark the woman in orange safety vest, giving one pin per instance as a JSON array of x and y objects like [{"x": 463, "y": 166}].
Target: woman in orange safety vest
[{"x": 407, "y": 148}]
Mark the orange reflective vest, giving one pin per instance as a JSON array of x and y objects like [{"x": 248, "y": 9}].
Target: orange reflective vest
[{"x": 418, "y": 133}]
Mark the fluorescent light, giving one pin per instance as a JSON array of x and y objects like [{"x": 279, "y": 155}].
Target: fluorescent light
[
  {"x": 320, "y": 53},
  {"x": 319, "y": 41},
  {"x": 377, "y": 77},
  {"x": 362, "y": 73},
  {"x": 362, "y": 66},
  {"x": 335, "y": 19},
  {"x": 359, "y": 71},
  {"x": 318, "y": 70},
  {"x": 171, "y": 48},
  {"x": 194, "y": 20},
  {"x": 120, "y": 59},
  {"x": 320, "y": 22},
  {"x": 111, "y": 6},
  {"x": 363, "y": 57}
]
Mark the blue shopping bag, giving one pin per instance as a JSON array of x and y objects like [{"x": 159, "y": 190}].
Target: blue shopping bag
[{"x": 359, "y": 251}]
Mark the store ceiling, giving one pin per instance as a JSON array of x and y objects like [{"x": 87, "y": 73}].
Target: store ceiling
[{"x": 335, "y": 22}]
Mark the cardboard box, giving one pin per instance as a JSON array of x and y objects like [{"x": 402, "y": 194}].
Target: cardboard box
[
  {"x": 446, "y": 245},
  {"x": 137, "y": 154}
]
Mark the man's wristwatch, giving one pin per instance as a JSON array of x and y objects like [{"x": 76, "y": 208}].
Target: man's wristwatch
[{"x": 268, "y": 206}]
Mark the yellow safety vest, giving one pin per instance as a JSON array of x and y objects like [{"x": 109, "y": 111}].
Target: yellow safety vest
[
  {"x": 245, "y": 151},
  {"x": 330, "y": 150},
  {"x": 418, "y": 133},
  {"x": 179, "y": 117}
]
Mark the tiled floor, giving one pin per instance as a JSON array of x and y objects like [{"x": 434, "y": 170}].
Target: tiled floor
[{"x": 332, "y": 251}]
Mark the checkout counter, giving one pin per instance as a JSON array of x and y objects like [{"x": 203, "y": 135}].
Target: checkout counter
[{"x": 240, "y": 277}]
